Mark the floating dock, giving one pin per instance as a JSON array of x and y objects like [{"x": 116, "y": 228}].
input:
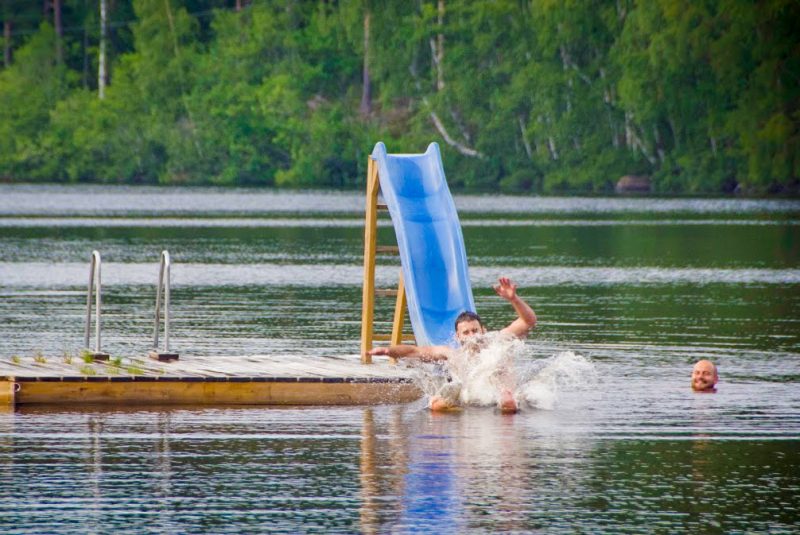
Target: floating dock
[
  {"x": 218, "y": 380},
  {"x": 433, "y": 274}
]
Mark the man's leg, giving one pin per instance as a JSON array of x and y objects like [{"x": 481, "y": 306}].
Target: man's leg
[{"x": 504, "y": 379}]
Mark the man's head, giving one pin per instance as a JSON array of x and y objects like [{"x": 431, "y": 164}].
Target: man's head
[
  {"x": 704, "y": 376},
  {"x": 468, "y": 324}
]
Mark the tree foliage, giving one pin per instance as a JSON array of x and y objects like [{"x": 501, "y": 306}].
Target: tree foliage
[{"x": 555, "y": 95}]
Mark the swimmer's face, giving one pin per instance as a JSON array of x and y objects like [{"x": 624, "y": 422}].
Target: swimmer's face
[
  {"x": 704, "y": 376},
  {"x": 468, "y": 329}
]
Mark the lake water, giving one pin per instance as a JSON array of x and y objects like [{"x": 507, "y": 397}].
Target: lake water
[{"x": 636, "y": 289}]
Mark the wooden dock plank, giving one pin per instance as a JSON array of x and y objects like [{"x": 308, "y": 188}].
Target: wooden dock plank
[{"x": 207, "y": 367}]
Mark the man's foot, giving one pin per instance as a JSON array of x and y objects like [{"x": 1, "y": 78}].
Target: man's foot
[
  {"x": 507, "y": 405},
  {"x": 438, "y": 404},
  {"x": 447, "y": 397}
]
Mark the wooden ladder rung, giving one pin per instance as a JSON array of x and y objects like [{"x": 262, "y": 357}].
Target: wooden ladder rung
[
  {"x": 388, "y": 338},
  {"x": 388, "y": 249},
  {"x": 383, "y": 207},
  {"x": 386, "y": 292}
]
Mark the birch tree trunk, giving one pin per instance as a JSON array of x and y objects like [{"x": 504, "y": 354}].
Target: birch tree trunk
[
  {"x": 628, "y": 132},
  {"x": 366, "y": 90},
  {"x": 551, "y": 145},
  {"x": 525, "y": 141},
  {"x": 59, "y": 26},
  {"x": 437, "y": 53},
  {"x": 85, "y": 52},
  {"x": 102, "y": 74},
  {"x": 437, "y": 49},
  {"x": 181, "y": 79},
  {"x": 460, "y": 147},
  {"x": 7, "y": 43},
  {"x": 440, "y": 49},
  {"x": 633, "y": 141},
  {"x": 658, "y": 144},
  {"x": 674, "y": 130}
]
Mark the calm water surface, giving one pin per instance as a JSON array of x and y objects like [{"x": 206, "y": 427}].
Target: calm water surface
[{"x": 640, "y": 287}]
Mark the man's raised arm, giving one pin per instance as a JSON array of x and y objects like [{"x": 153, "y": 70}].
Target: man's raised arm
[{"x": 526, "y": 317}]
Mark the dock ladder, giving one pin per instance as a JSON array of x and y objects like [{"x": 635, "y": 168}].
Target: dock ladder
[
  {"x": 369, "y": 292},
  {"x": 163, "y": 287},
  {"x": 96, "y": 288}
]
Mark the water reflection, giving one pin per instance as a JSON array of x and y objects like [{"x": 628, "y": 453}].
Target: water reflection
[
  {"x": 433, "y": 492},
  {"x": 393, "y": 468},
  {"x": 440, "y": 472},
  {"x": 369, "y": 478},
  {"x": 94, "y": 469},
  {"x": 163, "y": 489}
]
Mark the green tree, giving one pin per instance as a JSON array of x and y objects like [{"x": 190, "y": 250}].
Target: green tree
[
  {"x": 547, "y": 96},
  {"x": 31, "y": 87}
]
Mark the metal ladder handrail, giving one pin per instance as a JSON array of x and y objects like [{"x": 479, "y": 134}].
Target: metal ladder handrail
[
  {"x": 163, "y": 282},
  {"x": 94, "y": 282}
]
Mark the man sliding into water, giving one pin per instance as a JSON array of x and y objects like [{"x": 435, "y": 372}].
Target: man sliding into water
[{"x": 469, "y": 333}]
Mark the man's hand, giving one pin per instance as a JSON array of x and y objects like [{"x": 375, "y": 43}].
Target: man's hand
[
  {"x": 505, "y": 288},
  {"x": 376, "y": 351},
  {"x": 526, "y": 317}
]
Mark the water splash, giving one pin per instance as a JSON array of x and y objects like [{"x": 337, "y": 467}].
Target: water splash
[
  {"x": 542, "y": 382},
  {"x": 488, "y": 365},
  {"x": 485, "y": 366}
]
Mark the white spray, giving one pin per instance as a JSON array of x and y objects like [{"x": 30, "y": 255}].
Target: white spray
[{"x": 489, "y": 364}]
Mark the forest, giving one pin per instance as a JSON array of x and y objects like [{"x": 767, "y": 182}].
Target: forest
[{"x": 523, "y": 96}]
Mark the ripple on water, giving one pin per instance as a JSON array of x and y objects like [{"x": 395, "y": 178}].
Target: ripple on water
[
  {"x": 49, "y": 275},
  {"x": 125, "y": 200}
]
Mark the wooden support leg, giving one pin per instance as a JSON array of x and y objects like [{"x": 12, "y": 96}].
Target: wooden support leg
[
  {"x": 370, "y": 241},
  {"x": 8, "y": 390},
  {"x": 399, "y": 314}
]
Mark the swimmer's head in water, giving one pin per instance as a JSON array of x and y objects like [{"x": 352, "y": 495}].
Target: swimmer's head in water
[
  {"x": 468, "y": 324},
  {"x": 704, "y": 376}
]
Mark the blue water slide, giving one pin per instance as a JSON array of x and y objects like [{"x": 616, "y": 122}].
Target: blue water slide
[{"x": 432, "y": 252}]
